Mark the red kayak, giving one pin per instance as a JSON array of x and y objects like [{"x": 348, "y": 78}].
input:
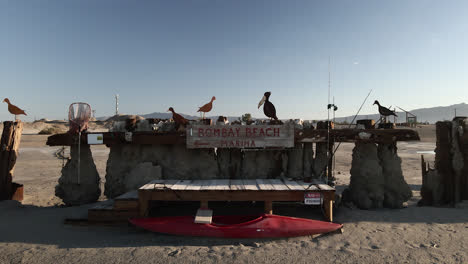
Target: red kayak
[{"x": 237, "y": 226}]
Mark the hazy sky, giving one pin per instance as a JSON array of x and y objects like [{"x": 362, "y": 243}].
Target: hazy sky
[{"x": 157, "y": 54}]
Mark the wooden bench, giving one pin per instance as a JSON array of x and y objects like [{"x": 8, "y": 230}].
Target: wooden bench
[{"x": 204, "y": 191}]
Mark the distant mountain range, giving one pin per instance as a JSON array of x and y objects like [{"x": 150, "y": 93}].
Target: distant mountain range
[{"x": 431, "y": 115}]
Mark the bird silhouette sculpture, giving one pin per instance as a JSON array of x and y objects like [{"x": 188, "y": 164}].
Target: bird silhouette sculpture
[
  {"x": 384, "y": 111},
  {"x": 13, "y": 109},
  {"x": 178, "y": 119},
  {"x": 207, "y": 107},
  {"x": 268, "y": 108}
]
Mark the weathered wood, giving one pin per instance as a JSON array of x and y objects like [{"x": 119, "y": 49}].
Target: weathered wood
[
  {"x": 294, "y": 186},
  {"x": 278, "y": 185},
  {"x": 264, "y": 185},
  {"x": 109, "y": 214},
  {"x": 181, "y": 185},
  {"x": 301, "y": 136},
  {"x": 222, "y": 195},
  {"x": 250, "y": 185},
  {"x": 268, "y": 207},
  {"x": 328, "y": 208},
  {"x": 236, "y": 185},
  {"x": 265, "y": 190},
  {"x": 309, "y": 186},
  {"x": 9, "y": 145},
  {"x": 204, "y": 204},
  {"x": 443, "y": 160},
  {"x": 331, "y": 147},
  {"x": 126, "y": 205},
  {"x": 237, "y": 136},
  {"x": 195, "y": 185}
]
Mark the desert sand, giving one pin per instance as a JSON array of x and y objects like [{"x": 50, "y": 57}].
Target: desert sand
[{"x": 34, "y": 231}]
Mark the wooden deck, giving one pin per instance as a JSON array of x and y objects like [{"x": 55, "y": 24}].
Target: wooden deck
[{"x": 204, "y": 191}]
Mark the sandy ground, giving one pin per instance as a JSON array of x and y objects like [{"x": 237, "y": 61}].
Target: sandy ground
[{"x": 34, "y": 232}]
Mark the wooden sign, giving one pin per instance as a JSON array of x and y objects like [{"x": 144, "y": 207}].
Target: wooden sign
[{"x": 238, "y": 136}]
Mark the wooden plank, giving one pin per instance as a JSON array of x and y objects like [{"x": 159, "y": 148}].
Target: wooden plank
[
  {"x": 238, "y": 136},
  {"x": 195, "y": 185},
  {"x": 214, "y": 185},
  {"x": 236, "y": 185},
  {"x": 278, "y": 185},
  {"x": 221, "y": 195},
  {"x": 206, "y": 185},
  {"x": 109, "y": 215},
  {"x": 126, "y": 205},
  {"x": 147, "y": 186},
  {"x": 308, "y": 186},
  {"x": 181, "y": 185},
  {"x": 325, "y": 187},
  {"x": 264, "y": 185},
  {"x": 250, "y": 185},
  {"x": 158, "y": 184},
  {"x": 167, "y": 184},
  {"x": 222, "y": 184},
  {"x": 294, "y": 186}
]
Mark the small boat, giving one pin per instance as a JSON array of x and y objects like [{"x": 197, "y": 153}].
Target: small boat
[{"x": 237, "y": 226}]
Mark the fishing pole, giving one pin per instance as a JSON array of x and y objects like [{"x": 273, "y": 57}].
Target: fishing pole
[{"x": 355, "y": 116}]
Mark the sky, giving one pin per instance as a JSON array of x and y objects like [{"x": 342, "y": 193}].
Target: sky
[{"x": 158, "y": 54}]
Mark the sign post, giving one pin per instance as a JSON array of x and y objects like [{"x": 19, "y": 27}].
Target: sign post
[{"x": 238, "y": 136}]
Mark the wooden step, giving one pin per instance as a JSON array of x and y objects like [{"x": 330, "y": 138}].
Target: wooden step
[
  {"x": 127, "y": 201},
  {"x": 105, "y": 212}
]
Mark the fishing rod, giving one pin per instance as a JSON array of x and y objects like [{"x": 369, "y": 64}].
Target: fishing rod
[{"x": 355, "y": 116}]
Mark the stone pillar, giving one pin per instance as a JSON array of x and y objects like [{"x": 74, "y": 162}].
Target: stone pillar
[
  {"x": 229, "y": 163},
  {"x": 296, "y": 162},
  {"x": 85, "y": 189},
  {"x": 366, "y": 189},
  {"x": 175, "y": 162},
  {"x": 396, "y": 190},
  {"x": 262, "y": 164},
  {"x": 321, "y": 160},
  {"x": 308, "y": 160}
]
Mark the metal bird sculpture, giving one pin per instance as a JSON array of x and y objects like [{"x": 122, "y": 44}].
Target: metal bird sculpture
[
  {"x": 13, "y": 109},
  {"x": 384, "y": 111},
  {"x": 207, "y": 107},
  {"x": 268, "y": 109},
  {"x": 178, "y": 119}
]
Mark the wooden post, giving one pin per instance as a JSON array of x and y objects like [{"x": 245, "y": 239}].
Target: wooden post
[
  {"x": 268, "y": 207},
  {"x": 328, "y": 206},
  {"x": 204, "y": 205},
  {"x": 9, "y": 145},
  {"x": 330, "y": 178}
]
